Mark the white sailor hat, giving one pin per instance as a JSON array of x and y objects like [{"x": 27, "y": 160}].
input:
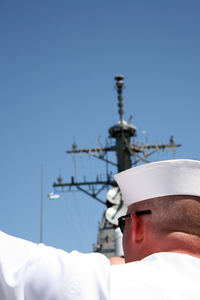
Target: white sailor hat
[{"x": 158, "y": 179}]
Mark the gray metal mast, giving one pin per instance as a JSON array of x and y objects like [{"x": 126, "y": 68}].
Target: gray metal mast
[
  {"x": 122, "y": 132},
  {"x": 127, "y": 154}
]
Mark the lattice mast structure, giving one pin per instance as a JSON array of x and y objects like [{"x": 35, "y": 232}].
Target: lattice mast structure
[{"x": 127, "y": 154}]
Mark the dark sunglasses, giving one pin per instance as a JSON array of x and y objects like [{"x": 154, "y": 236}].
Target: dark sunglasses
[{"x": 121, "y": 220}]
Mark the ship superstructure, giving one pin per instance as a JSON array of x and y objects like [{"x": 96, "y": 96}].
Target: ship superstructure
[{"x": 128, "y": 153}]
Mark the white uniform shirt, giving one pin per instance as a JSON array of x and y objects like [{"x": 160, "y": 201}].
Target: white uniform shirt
[
  {"x": 161, "y": 276},
  {"x": 37, "y": 272}
]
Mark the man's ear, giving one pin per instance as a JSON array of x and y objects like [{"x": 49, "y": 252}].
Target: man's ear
[{"x": 138, "y": 227}]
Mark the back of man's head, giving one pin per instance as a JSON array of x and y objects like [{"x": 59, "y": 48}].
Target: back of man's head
[{"x": 171, "y": 191}]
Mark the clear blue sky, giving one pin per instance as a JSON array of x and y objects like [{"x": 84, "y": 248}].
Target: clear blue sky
[{"x": 57, "y": 63}]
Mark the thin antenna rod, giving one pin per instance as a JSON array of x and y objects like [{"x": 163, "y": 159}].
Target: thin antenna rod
[
  {"x": 74, "y": 147},
  {"x": 120, "y": 85},
  {"x": 42, "y": 204}
]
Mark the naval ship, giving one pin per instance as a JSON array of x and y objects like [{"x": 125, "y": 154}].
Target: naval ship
[{"x": 129, "y": 152}]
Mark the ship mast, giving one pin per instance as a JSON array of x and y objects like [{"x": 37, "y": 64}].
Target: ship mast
[
  {"x": 128, "y": 154},
  {"x": 122, "y": 132}
]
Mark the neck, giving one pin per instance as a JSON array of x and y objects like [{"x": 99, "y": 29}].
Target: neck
[
  {"x": 181, "y": 242},
  {"x": 178, "y": 242}
]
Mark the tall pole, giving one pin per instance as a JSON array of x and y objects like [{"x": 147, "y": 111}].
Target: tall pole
[
  {"x": 42, "y": 204},
  {"x": 120, "y": 86},
  {"x": 123, "y": 131}
]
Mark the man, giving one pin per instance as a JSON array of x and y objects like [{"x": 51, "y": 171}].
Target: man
[
  {"x": 161, "y": 237},
  {"x": 161, "y": 245}
]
